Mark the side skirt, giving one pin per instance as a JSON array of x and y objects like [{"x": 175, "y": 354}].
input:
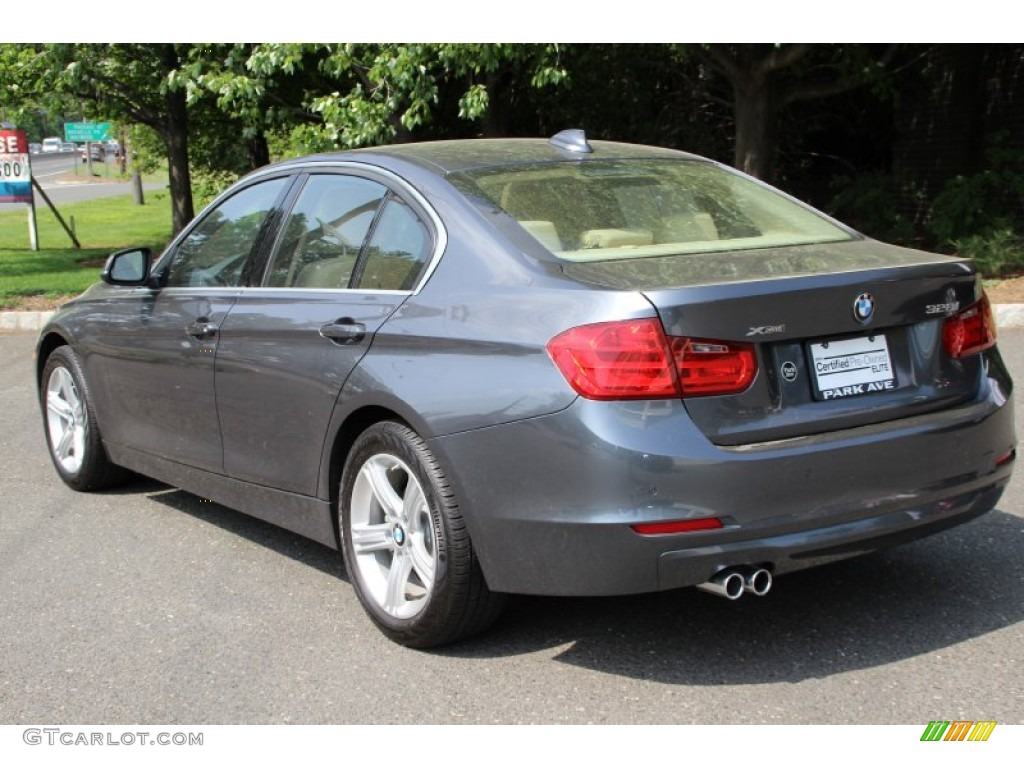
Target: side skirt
[{"x": 305, "y": 515}]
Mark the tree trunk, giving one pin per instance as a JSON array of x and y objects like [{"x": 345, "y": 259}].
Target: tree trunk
[
  {"x": 259, "y": 152},
  {"x": 756, "y": 109},
  {"x": 176, "y": 136},
  {"x": 494, "y": 122},
  {"x": 137, "y": 194}
]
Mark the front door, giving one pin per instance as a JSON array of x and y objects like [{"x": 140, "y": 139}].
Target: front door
[{"x": 160, "y": 345}]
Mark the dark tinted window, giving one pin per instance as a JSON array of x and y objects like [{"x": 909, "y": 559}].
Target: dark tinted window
[{"x": 215, "y": 252}]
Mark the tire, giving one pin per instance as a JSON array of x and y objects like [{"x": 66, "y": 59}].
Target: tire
[
  {"x": 405, "y": 544},
  {"x": 72, "y": 434}
]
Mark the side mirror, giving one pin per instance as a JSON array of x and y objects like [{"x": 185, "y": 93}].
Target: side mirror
[{"x": 128, "y": 267}]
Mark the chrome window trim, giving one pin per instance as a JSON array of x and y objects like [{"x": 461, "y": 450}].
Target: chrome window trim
[
  {"x": 239, "y": 291},
  {"x": 276, "y": 289},
  {"x": 202, "y": 290}
]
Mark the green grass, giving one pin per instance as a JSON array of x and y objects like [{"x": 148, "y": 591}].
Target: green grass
[{"x": 58, "y": 269}]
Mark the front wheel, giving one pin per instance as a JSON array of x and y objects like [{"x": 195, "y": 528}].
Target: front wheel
[
  {"x": 72, "y": 434},
  {"x": 405, "y": 544}
]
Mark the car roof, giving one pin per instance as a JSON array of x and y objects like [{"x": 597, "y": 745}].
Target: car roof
[{"x": 445, "y": 157}]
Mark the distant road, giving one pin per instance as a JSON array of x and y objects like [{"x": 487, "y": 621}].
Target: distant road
[{"x": 48, "y": 168}]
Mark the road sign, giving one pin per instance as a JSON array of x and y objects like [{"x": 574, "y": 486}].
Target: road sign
[
  {"x": 15, "y": 172},
  {"x": 86, "y": 131}
]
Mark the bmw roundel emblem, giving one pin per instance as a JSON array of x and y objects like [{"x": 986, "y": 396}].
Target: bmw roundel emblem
[{"x": 864, "y": 307}]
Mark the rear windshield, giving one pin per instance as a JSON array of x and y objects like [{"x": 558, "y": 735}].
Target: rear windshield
[{"x": 614, "y": 209}]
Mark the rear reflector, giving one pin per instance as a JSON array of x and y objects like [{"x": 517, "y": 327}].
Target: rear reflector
[
  {"x": 634, "y": 360},
  {"x": 678, "y": 526},
  {"x": 971, "y": 331}
]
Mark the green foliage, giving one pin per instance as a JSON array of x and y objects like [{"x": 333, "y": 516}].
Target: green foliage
[
  {"x": 207, "y": 184},
  {"x": 869, "y": 203},
  {"x": 148, "y": 152},
  {"x": 982, "y": 215},
  {"x": 983, "y": 203},
  {"x": 248, "y": 103},
  {"x": 997, "y": 253},
  {"x": 351, "y": 95}
]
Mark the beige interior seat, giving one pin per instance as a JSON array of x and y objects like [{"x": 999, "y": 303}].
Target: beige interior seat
[
  {"x": 326, "y": 273},
  {"x": 616, "y": 238}
]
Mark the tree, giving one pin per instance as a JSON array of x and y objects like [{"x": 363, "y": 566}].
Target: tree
[
  {"x": 326, "y": 96},
  {"x": 306, "y": 97},
  {"x": 131, "y": 83},
  {"x": 764, "y": 79}
]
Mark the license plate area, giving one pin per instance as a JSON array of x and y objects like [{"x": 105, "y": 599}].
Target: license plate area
[{"x": 851, "y": 367}]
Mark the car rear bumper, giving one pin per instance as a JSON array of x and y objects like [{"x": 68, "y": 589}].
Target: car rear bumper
[{"x": 549, "y": 501}]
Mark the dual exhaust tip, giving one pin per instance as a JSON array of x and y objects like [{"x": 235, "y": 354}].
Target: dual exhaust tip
[{"x": 731, "y": 583}]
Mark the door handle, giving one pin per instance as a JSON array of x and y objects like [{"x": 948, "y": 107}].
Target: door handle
[
  {"x": 344, "y": 331},
  {"x": 201, "y": 329}
]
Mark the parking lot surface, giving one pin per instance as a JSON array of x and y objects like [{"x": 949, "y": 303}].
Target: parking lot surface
[{"x": 150, "y": 605}]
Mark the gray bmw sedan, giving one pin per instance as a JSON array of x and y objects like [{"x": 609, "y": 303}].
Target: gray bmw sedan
[{"x": 553, "y": 367}]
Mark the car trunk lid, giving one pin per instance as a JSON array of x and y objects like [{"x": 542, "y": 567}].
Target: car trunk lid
[{"x": 845, "y": 334}]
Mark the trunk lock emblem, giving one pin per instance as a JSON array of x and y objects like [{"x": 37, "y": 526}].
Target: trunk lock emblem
[{"x": 864, "y": 308}]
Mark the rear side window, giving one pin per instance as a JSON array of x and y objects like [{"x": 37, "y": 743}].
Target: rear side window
[
  {"x": 397, "y": 251},
  {"x": 325, "y": 232}
]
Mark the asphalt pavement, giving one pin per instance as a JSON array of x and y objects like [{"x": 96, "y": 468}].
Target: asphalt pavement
[{"x": 149, "y": 605}]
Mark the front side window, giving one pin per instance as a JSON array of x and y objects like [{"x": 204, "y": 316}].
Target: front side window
[
  {"x": 215, "y": 251},
  {"x": 325, "y": 232},
  {"x": 600, "y": 210}
]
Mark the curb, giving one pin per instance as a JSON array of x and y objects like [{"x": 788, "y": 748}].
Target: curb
[
  {"x": 24, "y": 321},
  {"x": 1007, "y": 316}
]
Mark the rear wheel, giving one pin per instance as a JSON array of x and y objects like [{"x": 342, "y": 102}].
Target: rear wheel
[
  {"x": 405, "y": 544},
  {"x": 72, "y": 434}
]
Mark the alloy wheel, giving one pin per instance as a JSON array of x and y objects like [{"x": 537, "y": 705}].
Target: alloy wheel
[
  {"x": 65, "y": 420},
  {"x": 392, "y": 535}
]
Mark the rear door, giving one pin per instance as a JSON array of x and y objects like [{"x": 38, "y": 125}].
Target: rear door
[{"x": 348, "y": 255}]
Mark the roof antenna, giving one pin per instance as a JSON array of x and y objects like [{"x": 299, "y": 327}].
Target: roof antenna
[{"x": 572, "y": 140}]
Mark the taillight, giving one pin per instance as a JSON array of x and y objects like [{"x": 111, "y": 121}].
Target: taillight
[
  {"x": 634, "y": 360},
  {"x": 971, "y": 331},
  {"x": 615, "y": 361},
  {"x": 713, "y": 367}
]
